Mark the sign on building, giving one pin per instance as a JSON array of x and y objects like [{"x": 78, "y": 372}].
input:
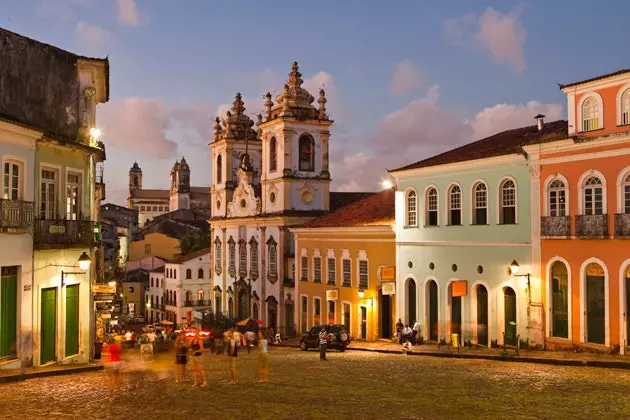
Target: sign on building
[
  {"x": 388, "y": 288},
  {"x": 388, "y": 273},
  {"x": 459, "y": 288},
  {"x": 332, "y": 294}
]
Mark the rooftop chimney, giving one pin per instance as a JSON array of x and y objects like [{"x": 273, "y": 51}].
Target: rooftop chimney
[{"x": 540, "y": 121}]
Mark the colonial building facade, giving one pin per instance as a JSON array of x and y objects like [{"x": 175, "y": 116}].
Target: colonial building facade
[
  {"x": 151, "y": 203},
  {"x": 342, "y": 263},
  {"x": 264, "y": 181},
  {"x": 462, "y": 218}
]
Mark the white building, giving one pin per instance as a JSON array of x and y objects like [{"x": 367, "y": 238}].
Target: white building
[
  {"x": 187, "y": 286},
  {"x": 17, "y": 151},
  {"x": 156, "y": 295}
]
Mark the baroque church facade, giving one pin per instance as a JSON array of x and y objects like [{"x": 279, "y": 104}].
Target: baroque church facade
[
  {"x": 265, "y": 180},
  {"x": 151, "y": 203}
]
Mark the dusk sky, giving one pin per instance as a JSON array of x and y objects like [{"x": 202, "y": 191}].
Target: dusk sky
[{"x": 404, "y": 81}]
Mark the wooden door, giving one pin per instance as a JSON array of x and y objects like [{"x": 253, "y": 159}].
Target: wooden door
[
  {"x": 72, "y": 320},
  {"x": 8, "y": 315},
  {"x": 596, "y": 309},
  {"x": 510, "y": 316},
  {"x": 386, "y": 316},
  {"x": 48, "y": 326},
  {"x": 482, "y": 315},
  {"x": 433, "y": 311}
]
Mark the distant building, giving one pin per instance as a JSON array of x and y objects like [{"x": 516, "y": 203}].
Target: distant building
[
  {"x": 118, "y": 224},
  {"x": 152, "y": 203}
]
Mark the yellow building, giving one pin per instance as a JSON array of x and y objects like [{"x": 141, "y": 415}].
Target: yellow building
[
  {"x": 154, "y": 245},
  {"x": 344, "y": 264}
]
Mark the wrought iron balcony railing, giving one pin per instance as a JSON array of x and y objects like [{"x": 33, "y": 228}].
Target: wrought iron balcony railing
[
  {"x": 16, "y": 214},
  {"x": 591, "y": 225},
  {"x": 555, "y": 226},
  {"x": 622, "y": 225},
  {"x": 64, "y": 233}
]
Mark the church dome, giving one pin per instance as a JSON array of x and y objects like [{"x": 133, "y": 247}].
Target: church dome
[
  {"x": 183, "y": 165},
  {"x": 236, "y": 124},
  {"x": 135, "y": 168}
]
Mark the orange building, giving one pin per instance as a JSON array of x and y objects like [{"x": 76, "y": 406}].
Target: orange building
[{"x": 585, "y": 218}]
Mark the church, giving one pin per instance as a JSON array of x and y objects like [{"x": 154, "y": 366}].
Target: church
[
  {"x": 267, "y": 176},
  {"x": 152, "y": 203}
]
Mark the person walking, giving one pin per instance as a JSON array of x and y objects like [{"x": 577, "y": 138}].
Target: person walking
[
  {"x": 232, "y": 354},
  {"x": 249, "y": 340},
  {"x": 181, "y": 350},
  {"x": 196, "y": 349},
  {"x": 263, "y": 357},
  {"x": 323, "y": 343},
  {"x": 115, "y": 361}
]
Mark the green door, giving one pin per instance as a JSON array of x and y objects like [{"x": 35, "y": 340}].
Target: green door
[
  {"x": 48, "y": 325},
  {"x": 482, "y": 315},
  {"x": 8, "y": 315},
  {"x": 72, "y": 320},
  {"x": 510, "y": 316},
  {"x": 596, "y": 309},
  {"x": 433, "y": 311}
]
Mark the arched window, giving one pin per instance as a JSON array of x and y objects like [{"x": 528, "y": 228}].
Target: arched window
[
  {"x": 432, "y": 207},
  {"x": 507, "y": 213},
  {"x": 242, "y": 258},
  {"x": 135, "y": 180},
  {"x": 455, "y": 206},
  {"x": 560, "y": 300},
  {"x": 200, "y": 273},
  {"x": 273, "y": 155},
  {"x": 480, "y": 212},
  {"x": 306, "y": 146},
  {"x": 590, "y": 114},
  {"x": 253, "y": 258},
  {"x": 412, "y": 208},
  {"x": 273, "y": 258},
  {"x": 175, "y": 274},
  {"x": 217, "y": 255},
  {"x": 188, "y": 274},
  {"x": 232, "y": 257},
  {"x": 188, "y": 297},
  {"x": 624, "y": 107},
  {"x": 219, "y": 170},
  {"x": 593, "y": 196},
  {"x": 626, "y": 195},
  {"x": 200, "y": 295},
  {"x": 151, "y": 281},
  {"x": 556, "y": 199}
]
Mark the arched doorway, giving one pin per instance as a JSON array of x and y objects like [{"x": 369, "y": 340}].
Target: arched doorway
[
  {"x": 432, "y": 310},
  {"x": 627, "y": 306},
  {"x": 411, "y": 302},
  {"x": 243, "y": 303},
  {"x": 456, "y": 312},
  {"x": 559, "y": 300},
  {"x": 595, "y": 304},
  {"x": 482, "y": 315},
  {"x": 509, "y": 315},
  {"x": 385, "y": 305},
  {"x": 272, "y": 313},
  {"x": 289, "y": 316}
]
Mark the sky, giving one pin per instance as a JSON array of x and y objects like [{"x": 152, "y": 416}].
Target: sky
[{"x": 405, "y": 80}]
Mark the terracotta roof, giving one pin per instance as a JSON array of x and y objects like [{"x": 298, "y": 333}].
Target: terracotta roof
[
  {"x": 150, "y": 194},
  {"x": 341, "y": 199},
  {"x": 500, "y": 144},
  {"x": 191, "y": 256},
  {"x": 158, "y": 270},
  {"x": 374, "y": 210},
  {"x": 174, "y": 228},
  {"x": 592, "y": 79}
]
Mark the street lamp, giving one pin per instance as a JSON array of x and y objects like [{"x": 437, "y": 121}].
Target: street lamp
[
  {"x": 361, "y": 293},
  {"x": 514, "y": 267},
  {"x": 84, "y": 264}
]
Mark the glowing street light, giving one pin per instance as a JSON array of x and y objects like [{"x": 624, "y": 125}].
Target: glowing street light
[
  {"x": 95, "y": 133},
  {"x": 84, "y": 261},
  {"x": 387, "y": 184}
]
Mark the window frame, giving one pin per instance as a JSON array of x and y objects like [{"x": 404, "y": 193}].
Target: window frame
[
  {"x": 273, "y": 261},
  {"x": 427, "y": 205},
  {"x": 242, "y": 258},
  {"x": 311, "y": 163},
  {"x": 219, "y": 169},
  {"x": 474, "y": 203},
  {"x": 329, "y": 271},
  {"x": 623, "y": 184},
  {"x": 317, "y": 272},
  {"x": 346, "y": 263},
  {"x": 21, "y": 177},
  {"x": 273, "y": 154},
  {"x": 580, "y": 111},
  {"x": 231, "y": 257},
  {"x": 50, "y": 207},
  {"x": 304, "y": 267},
  {"x": 411, "y": 193},
  {"x": 624, "y": 90},
  {"x": 582, "y": 191},
  {"x": 501, "y": 204},
  {"x": 77, "y": 187},
  {"x": 560, "y": 193},
  {"x": 188, "y": 274},
  {"x": 253, "y": 258},
  {"x": 217, "y": 255},
  {"x": 365, "y": 285},
  {"x": 450, "y": 201}
]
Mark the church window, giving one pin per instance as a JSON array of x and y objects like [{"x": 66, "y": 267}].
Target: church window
[
  {"x": 219, "y": 170},
  {"x": 242, "y": 258},
  {"x": 200, "y": 273},
  {"x": 232, "y": 257},
  {"x": 273, "y": 258},
  {"x": 307, "y": 156},
  {"x": 142, "y": 208},
  {"x": 155, "y": 208},
  {"x": 135, "y": 180},
  {"x": 253, "y": 257},
  {"x": 217, "y": 255},
  {"x": 188, "y": 274},
  {"x": 273, "y": 155}
]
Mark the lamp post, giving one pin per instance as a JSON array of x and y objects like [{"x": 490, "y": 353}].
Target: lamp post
[{"x": 84, "y": 265}]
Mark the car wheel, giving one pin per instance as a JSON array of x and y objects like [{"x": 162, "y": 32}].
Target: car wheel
[
  {"x": 342, "y": 349},
  {"x": 303, "y": 346}
]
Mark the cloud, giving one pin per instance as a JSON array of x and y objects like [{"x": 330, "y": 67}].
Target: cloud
[
  {"x": 501, "y": 35},
  {"x": 92, "y": 35},
  {"x": 422, "y": 129},
  {"x": 128, "y": 12},
  {"x": 407, "y": 78},
  {"x": 148, "y": 125},
  {"x": 269, "y": 81},
  {"x": 62, "y": 10}
]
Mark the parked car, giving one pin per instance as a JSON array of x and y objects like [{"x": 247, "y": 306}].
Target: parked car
[{"x": 338, "y": 337}]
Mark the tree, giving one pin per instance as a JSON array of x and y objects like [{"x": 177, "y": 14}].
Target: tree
[{"x": 193, "y": 241}]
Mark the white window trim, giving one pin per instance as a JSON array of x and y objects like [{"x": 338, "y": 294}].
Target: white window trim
[
  {"x": 622, "y": 293},
  {"x": 84, "y": 192},
  {"x": 22, "y": 178},
  {"x": 303, "y": 254},
  {"x": 582, "y": 180},
  {"x": 620, "y": 186},
  {"x": 315, "y": 298},
  {"x": 549, "y": 296},
  {"x": 582, "y": 294},
  {"x": 317, "y": 254},
  {"x": 472, "y": 201},
  {"x": 600, "y": 104},
  {"x": 58, "y": 170},
  {"x": 308, "y": 327},
  {"x": 407, "y": 192},
  {"x": 499, "y": 198},
  {"x": 335, "y": 313},
  {"x": 341, "y": 312},
  {"x": 448, "y": 203},
  {"x": 620, "y": 92},
  {"x": 330, "y": 254},
  {"x": 567, "y": 190},
  {"x": 363, "y": 257},
  {"x": 425, "y": 204}
]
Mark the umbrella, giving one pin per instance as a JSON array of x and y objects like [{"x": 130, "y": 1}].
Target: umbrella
[
  {"x": 166, "y": 322},
  {"x": 259, "y": 322},
  {"x": 243, "y": 323}
]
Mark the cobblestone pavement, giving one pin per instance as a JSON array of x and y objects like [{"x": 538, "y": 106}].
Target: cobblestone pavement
[{"x": 351, "y": 385}]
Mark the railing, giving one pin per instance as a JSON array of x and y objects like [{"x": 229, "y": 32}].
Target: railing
[
  {"x": 64, "y": 232},
  {"x": 162, "y": 307},
  {"x": 622, "y": 225},
  {"x": 555, "y": 226},
  {"x": 16, "y": 214},
  {"x": 592, "y": 225},
  {"x": 289, "y": 282},
  {"x": 188, "y": 303}
]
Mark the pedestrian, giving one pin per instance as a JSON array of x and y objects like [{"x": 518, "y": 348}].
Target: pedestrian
[
  {"x": 249, "y": 339},
  {"x": 181, "y": 350},
  {"x": 399, "y": 327},
  {"x": 263, "y": 357},
  {"x": 406, "y": 348},
  {"x": 416, "y": 333},
  {"x": 323, "y": 343},
  {"x": 232, "y": 354},
  {"x": 196, "y": 349},
  {"x": 115, "y": 362}
]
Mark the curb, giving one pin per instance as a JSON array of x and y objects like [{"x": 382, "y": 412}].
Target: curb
[
  {"x": 32, "y": 375},
  {"x": 613, "y": 364}
]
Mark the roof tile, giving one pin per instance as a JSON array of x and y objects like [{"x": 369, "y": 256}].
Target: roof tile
[{"x": 377, "y": 209}]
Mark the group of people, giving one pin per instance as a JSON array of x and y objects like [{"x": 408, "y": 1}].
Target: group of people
[{"x": 407, "y": 336}]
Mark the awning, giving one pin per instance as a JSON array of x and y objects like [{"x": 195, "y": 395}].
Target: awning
[
  {"x": 165, "y": 322},
  {"x": 243, "y": 322}
]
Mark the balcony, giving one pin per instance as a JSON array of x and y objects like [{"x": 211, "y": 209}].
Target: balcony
[
  {"x": 591, "y": 225},
  {"x": 64, "y": 234},
  {"x": 622, "y": 225},
  {"x": 555, "y": 226},
  {"x": 16, "y": 214},
  {"x": 289, "y": 282}
]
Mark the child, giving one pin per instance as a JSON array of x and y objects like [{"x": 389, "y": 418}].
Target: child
[
  {"x": 406, "y": 348},
  {"x": 263, "y": 358}
]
